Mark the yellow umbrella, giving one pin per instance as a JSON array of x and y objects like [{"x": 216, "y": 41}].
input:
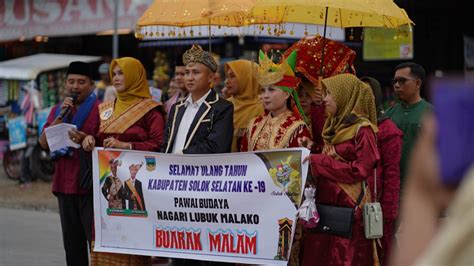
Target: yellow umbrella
[
  {"x": 336, "y": 13},
  {"x": 187, "y": 13}
]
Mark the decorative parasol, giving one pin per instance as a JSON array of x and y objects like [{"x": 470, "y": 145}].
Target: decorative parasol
[
  {"x": 340, "y": 58},
  {"x": 336, "y": 13},
  {"x": 181, "y": 14}
]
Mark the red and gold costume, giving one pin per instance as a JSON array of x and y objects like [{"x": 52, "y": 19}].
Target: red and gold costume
[{"x": 266, "y": 132}]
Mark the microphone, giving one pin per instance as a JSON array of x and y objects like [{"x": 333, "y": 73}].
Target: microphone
[{"x": 66, "y": 111}]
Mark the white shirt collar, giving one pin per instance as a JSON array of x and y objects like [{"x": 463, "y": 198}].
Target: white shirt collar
[{"x": 189, "y": 99}]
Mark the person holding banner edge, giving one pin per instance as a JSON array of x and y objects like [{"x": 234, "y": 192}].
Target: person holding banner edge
[
  {"x": 133, "y": 121},
  {"x": 282, "y": 124},
  {"x": 348, "y": 162},
  {"x": 74, "y": 201}
]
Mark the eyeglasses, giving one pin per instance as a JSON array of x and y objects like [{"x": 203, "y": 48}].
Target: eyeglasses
[{"x": 400, "y": 80}]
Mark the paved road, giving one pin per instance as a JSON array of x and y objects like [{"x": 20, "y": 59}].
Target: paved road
[
  {"x": 30, "y": 238},
  {"x": 37, "y": 197}
]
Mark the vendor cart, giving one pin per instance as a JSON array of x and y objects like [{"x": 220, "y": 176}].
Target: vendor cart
[{"x": 29, "y": 87}]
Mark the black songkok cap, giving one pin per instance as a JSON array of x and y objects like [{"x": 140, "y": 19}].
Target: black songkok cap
[{"x": 80, "y": 68}]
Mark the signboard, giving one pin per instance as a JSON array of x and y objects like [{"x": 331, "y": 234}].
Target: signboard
[
  {"x": 42, "y": 118},
  {"x": 28, "y": 18},
  {"x": 388, "y": 44},
  {"x": 17, "y": 133},
  {"x": 237, "y": 207}
]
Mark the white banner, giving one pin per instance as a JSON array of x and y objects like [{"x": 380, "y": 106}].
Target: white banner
[{"x": 236, "y": 207}]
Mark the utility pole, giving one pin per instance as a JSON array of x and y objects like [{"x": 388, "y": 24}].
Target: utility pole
[{"x": 115, "y": 45}]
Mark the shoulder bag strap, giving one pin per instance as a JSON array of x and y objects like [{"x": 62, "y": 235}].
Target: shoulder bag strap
[
  {"x": 361, "y": 195},
  {"x": 375, "y": 185}
]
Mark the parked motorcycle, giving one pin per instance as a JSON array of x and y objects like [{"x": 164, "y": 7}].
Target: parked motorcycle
[{"x": 31, "y": 160}]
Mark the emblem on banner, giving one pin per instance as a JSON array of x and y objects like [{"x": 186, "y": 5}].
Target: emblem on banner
[
  {"x": 150, "y": 163},
  {"x": 286, "y": 176},
  {"x": 106, "y": 114},
  {"x": 283, "y": 174}
]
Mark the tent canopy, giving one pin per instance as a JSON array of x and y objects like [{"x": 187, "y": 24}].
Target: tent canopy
[{"x": 28, "y": 67}]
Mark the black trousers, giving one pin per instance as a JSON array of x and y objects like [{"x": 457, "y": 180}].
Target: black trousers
[{"x": 76, "y": 212}]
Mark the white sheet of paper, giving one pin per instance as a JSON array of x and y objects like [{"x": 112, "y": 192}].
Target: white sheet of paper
[{"x": 58, "y": 136}]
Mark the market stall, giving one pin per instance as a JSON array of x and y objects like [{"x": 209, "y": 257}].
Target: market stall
[{"x": 29, "y": 86}]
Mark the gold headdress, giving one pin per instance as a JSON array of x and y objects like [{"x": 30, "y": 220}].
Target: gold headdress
[
  {"x": 281, "y": 75},
  {"x": 267, "y": 72},
  {"x": 197, "y": 55}
]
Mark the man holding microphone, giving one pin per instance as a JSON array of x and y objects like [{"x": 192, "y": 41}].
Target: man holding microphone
[{"x": 74, "y": 201}]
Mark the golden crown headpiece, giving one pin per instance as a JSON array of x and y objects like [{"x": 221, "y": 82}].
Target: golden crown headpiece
[
  {"x": 281, "y": 75},
  {"x": 197, "y": 55},
  {"x": 267, "y": 72}
]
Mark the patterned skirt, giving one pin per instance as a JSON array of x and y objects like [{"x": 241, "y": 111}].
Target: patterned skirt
[{"x": 104, "y": 258}]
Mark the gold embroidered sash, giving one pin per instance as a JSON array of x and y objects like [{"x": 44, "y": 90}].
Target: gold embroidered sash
[
  {"x": 135, "y": 193},
  {"x": 118, "y": 124},
  {"x": 353, "y": 190}
]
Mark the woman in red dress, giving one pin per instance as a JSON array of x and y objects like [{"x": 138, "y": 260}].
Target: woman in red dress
[
  {"x": 281, "y": 125},
  {"x": 389, "y": 140},
  {"x": 349, "y": 157},
  {"x": 132, "y": 121}
]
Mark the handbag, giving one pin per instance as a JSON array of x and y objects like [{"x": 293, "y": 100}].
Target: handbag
[
  {"x": 373, "y": 217},
  {"x": 337, "y": 220}
]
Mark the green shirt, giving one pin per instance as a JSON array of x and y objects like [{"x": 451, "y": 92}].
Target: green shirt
[{"x": 408, "y": 120}]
